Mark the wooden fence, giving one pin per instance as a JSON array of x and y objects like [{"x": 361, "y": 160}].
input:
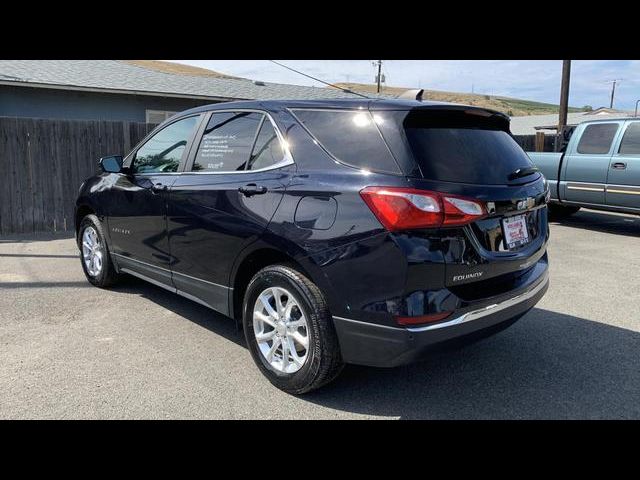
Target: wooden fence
[
  {"x": 528, "y": 143},
  {"x": 43, "y": 162}
]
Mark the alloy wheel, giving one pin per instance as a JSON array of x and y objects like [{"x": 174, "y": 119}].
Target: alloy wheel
[
  {"x": 281, "y": 329},
  {"x": 92, "y": 253}
]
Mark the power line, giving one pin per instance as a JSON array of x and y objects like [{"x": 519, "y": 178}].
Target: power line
[{"x": 318, "y": 80}]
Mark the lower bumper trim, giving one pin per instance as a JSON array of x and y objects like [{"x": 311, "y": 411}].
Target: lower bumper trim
[
  {"x": 364, "y": 343},
  {"x": 488, "y": 310}
]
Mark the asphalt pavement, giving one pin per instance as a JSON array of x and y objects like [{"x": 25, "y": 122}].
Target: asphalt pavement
[{"x": 70, "y": 350}]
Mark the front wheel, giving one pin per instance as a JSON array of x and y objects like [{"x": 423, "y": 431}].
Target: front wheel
[
  {"x": 94, "y": 254},
  {"x": 289, "y": 330}
]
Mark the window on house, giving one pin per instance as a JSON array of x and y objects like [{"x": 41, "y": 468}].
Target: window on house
[{"x": 158, "y": 116}]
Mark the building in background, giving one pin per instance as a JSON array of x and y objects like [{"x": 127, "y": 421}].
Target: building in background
[
  {"x": 548, "y": 124},
  {"x": 128, "y": 90}
]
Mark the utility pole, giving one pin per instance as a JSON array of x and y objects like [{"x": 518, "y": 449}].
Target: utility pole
[
  {"x": 613, "y": 91},
  {"x": 564, "y": 102},
  {"x": 379, "y": 74}
]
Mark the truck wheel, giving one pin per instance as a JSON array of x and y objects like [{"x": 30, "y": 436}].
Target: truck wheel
[
  {"x": 94, "y": 254},
  {"x": 289, "y": 330},
  {"x": 558, "y": 212}
]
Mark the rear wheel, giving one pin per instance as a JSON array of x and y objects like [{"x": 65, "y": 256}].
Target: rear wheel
[
  {"x": 558, "y": 212},
  {"x": 94, "y": 254},
  {"x": 289, "y": 330}
]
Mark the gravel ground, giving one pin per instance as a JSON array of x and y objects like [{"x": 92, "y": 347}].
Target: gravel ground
[{"x": 70, "y": 350}]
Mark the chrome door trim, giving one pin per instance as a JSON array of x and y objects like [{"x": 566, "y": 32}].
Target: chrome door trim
[
  {"x": 626, "y": 189},
  {"x": 170, "y": 271},
  {"x": 488, "y": 310},
  {"x": 591, "y": 187},
  {"x": 166, "y": 287},
  {"x": 201, "y": 280}
]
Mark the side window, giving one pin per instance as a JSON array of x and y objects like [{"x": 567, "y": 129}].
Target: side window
[
  {"x": 631, "y": 140},
  {"x": 352, "y": 137},
  {"x": 227, "y": 142},
  {"x": 162, "y": 152},
  {"x": 596, "y": 139},
  {"x": 267, "y": 151}
]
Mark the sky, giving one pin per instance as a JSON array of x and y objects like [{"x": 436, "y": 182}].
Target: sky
[{"x": 526, "y": 79}]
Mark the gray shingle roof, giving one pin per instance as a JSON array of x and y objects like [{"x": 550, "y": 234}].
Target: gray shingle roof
[{"x": 121, "y": 76}]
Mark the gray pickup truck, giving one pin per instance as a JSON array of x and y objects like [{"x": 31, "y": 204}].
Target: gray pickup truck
[{"x": 599, "y": 169}]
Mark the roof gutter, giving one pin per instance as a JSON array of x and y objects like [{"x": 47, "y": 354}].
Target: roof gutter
[{"x": 77, "y": 88}]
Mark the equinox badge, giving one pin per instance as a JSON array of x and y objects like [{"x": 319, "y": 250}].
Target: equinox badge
[{"x": 467, "y": 276}]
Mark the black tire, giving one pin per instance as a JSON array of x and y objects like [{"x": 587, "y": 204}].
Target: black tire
[
  {"x": 107, "y": 275},
  {"x": 558, "y": 212},
  {"x": 323, "y": 362}
]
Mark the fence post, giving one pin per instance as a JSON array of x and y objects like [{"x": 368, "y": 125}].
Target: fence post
[{"x": 539, "y": 141}]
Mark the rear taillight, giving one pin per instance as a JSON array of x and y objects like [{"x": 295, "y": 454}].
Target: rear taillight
[{"x": 408, "y": 208}]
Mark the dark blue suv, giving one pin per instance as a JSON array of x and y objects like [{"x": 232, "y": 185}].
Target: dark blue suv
[{"x": 337, "y": 231}]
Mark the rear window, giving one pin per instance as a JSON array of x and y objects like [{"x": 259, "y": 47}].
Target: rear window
[
  {"x": 459, "y": 152},
  {"x": 596, "y": 139},
  {"x": 351, "y": 137}
]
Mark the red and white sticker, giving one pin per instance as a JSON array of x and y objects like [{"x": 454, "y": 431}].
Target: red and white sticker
[{"x": 515, "y": 231}]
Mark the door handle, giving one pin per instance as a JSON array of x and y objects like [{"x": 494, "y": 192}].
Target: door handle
[
  {"x": 619, "y": 166},
  {"x": 252, "y": 189},
  {"x": 158, "y": 187}
]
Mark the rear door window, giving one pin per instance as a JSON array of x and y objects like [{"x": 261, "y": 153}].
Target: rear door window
[
  {"x": 267, "y": 150},
  {"x": 352, "y": 137},
  {"x": 596, "y": 139},
  {"x": 462, "y": 150},
  {"x": 630, "y": 144},
  {"x": 227, "y": 142}
]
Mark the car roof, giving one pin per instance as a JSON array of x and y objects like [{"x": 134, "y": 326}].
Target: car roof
[{"x": 346, "y": 103}]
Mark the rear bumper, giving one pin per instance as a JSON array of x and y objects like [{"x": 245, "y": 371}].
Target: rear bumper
[{"x": 383, "y": 346}]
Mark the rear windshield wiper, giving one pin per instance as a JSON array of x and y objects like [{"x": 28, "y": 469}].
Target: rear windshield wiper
[{"x": 523, "y": 172}]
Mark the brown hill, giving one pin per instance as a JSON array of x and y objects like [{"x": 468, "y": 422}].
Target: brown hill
[{"x": 510, "y": 106}]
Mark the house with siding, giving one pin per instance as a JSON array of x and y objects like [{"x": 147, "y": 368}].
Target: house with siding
[{"x": 128, "y": 90}]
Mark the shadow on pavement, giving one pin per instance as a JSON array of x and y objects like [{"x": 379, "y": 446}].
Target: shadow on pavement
[
  {"x": 35, "y": 237},
  {"x": 190, "y": 310},
  {"x": 605, "y": 222},
  {"x": 547, "y": 365},
  {"x": 56, "y": 284}
]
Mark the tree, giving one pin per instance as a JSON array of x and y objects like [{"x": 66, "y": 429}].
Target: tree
[{"x": 587, "y": 108}]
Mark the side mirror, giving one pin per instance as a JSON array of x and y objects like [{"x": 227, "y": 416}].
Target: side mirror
[{"x": 111, "y": 164}]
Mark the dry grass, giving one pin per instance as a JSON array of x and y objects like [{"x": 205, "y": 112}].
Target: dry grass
[
  {"x": 510, "y": 106},
  {"x": 177, "y": 68}
]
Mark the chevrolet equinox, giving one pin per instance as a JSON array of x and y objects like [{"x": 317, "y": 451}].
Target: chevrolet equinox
[{"x": 336, "y": 231}]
